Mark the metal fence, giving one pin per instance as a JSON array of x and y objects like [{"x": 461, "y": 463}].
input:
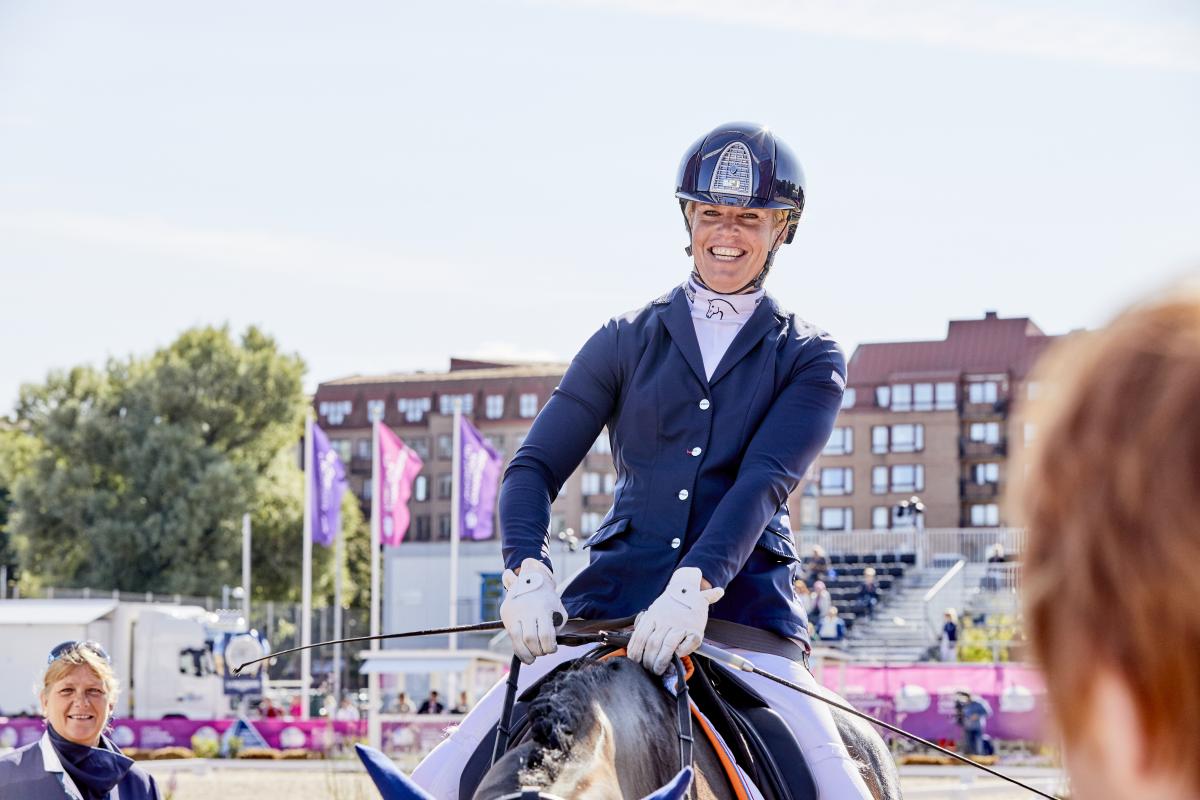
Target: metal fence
[{"x": 936, "y": 547}]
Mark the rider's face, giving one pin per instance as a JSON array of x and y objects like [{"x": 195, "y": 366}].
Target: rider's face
[
  {"x": 77, "y": 705},
  {"x": 730, "y": 243}
]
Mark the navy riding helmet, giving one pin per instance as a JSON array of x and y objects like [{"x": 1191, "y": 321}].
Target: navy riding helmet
[{"x": 742, "y": 164}]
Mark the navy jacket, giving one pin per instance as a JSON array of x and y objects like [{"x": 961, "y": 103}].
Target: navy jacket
[
  {"x": 704, "y": 467},
  {"x": 23, "y": 776}
]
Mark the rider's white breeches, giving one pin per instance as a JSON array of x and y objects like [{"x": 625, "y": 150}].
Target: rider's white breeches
[{"x": 835, "y": 774}]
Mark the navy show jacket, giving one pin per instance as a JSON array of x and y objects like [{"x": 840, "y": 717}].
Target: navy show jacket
[{"x": 704, "y": 466}]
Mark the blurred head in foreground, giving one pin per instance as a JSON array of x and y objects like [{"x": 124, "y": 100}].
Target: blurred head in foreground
[{"x": 1112, "y": 506}]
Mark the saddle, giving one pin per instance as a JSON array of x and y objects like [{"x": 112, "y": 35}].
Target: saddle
[{"x": 755, "y": 734}]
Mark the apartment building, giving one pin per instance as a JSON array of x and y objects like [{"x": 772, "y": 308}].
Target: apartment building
[
  {"x": 500, "y": 399},
  {"x": 933, "y": 420}
]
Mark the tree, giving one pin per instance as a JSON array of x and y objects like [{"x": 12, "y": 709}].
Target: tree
[
  {"x": 16, "y": 452},
  {"x": 142, "y": 472}
]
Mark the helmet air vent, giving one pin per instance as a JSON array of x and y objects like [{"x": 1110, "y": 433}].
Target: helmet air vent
[{"x": 733, "y": 174}]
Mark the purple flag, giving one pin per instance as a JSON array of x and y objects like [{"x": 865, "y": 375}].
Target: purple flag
[
  {"x": 328, "y": 484},
  {"x": 480, "y": 465}
]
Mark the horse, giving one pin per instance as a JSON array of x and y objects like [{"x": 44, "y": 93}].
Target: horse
[{"x": 607, "y": 729}]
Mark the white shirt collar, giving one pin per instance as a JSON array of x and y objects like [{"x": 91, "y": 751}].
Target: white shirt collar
[
  {"x": 51, "y": 763},
  {"x": 710, "y": 305}
]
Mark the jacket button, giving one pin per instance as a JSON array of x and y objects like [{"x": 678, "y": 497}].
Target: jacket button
[
  {"x": 695, "y": 451},
  {"x": 704, "y": 404},
  {"x": 683, "y": 494},
  {"x": 675, "y": 543}
]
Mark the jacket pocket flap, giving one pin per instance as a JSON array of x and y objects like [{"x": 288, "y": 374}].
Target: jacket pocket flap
[
  {"x": 779, "y": 542},
  {"x": 614, "y": 527}
]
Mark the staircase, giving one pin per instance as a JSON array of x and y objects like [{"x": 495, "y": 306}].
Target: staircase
[{"x": 898, "y": 632}]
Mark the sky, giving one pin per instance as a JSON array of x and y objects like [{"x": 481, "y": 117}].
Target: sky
[{"x": 382, "y": 185}]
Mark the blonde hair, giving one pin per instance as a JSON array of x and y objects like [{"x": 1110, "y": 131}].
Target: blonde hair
[
  {"x": 81, "y": 655},
  {"x": 1111, "y": 508}
]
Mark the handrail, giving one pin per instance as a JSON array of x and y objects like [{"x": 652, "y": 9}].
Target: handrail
[{"x": 955, "y": 572}]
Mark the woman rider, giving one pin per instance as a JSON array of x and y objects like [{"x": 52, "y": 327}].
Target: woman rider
[
  {"x": 716, "y": 401},
  {"x": 73, "y": 759}
]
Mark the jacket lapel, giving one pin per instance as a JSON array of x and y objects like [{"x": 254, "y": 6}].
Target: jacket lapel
[
  {"x": 765, "y": 318},
  {"x": 676, "y": 316}
]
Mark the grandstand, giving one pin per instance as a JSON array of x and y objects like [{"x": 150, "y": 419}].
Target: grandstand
[{"x": 920, "y": 574}]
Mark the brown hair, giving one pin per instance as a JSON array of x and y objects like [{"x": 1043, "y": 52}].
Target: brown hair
[
  {"x": 1112, "y": 506},
  {"x": 83, "y": 656}
]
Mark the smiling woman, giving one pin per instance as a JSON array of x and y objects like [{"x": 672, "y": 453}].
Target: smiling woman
[{"x": 73, "y": 758}]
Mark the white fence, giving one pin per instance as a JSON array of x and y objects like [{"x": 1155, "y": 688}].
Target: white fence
[{"x": 942, "y": 547}]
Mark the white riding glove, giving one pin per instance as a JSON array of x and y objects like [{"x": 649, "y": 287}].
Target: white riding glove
[
  {"x": 528, "y": 610},
  {"x": 674, "y": 623}
]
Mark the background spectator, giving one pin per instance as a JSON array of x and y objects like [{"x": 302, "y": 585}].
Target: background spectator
[
  {"x": 832, "y": 628},
  {"x": 820, "y": 601},
  {"x": 432, "y": 705},
  {"x": 949, "y": 641},
  {"x": 347, "y": 711},
  {"x": 1111, "y": 501},
  {"x": 868, "y": 592},
  {"x": 971, "y": 714},
  {"x": 462, "y": 706}
]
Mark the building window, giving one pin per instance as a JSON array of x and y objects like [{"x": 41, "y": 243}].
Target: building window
[
  {"x": 528, "y": 406},
  {"x": 879, "y": 480},
  {"x": 589, "y": 521},
  {"x": 362, "y": 448},
  {"x": 841, "y": 442},
  {"x": 494, "y": 406},
  {"x": 413, "y": 409},
  {"x": 421, "y": 528},
  {"x": 902, "y": 397},
  {"x": 908, "y": 478},
  {"x": 985, "y": 515},
  {"x": 848, "y": 398},
  {"x": 837, "y": 480},
  {"x": 491, "y": 594},
  {"x": 342, "y": 448},
  {"x": 590, "y": 484},
  {"x": 983, "y": 392},
  {"x": 944, "y": 399},
  {"x": 443, "y": 527},
  {"x": 883, "y": 396},
  {"x": 922, "y": 397},
  {"x": 368, "y": 489},
  {"x": 375, "y": 410},
  {"x": 908, "y": 438},
  {"x": 445, "y": 445},
  {"x": 446, "y": 403},
  {"x": 986, "y": 432},
  {"x": 420, "y": 445},
  {"x": 610, "y": 482},
  {"x": 837, "y": 519},
  {"x": 421, "y": 489},
  {"x": 880, "y": 517},
  {"x": 496, "y": 441},
  {"x": 445, "y": 483},
  {"x": 986, "y": 473},
  {"x": 879, "y": 438},
  {"x": 336, "y": 411},
  {"x": 602, "y": 446}
]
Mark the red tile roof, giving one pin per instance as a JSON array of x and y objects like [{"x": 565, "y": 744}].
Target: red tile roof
[{"x": 988, "y": 345}]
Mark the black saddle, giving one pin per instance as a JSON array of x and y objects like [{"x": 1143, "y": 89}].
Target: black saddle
[{"x": 760, "y": 741}]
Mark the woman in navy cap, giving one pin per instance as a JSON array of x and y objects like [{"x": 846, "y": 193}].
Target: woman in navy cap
[
  {"x": 715, "y": 399},
  {"x": 74, "y": 759}
]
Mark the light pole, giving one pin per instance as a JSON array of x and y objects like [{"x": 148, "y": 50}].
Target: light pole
[{"x": 913, "y": 509}]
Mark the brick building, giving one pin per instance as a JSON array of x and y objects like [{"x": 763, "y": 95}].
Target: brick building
[
  {"x": 928, "y": 419},
  {"x": 501, "y": 400}
]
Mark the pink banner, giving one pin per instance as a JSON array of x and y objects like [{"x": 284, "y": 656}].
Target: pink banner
[
  {"x": 920, "y": 697},
  {"x": 399, "y": 465}
]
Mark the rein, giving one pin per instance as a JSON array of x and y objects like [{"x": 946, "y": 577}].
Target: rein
[{"x": 608, "y": 638}]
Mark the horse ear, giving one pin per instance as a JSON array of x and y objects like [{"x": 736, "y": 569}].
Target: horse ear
[
  {"x": 391, "y": 782},
  {"x": 674, "y": 790}
]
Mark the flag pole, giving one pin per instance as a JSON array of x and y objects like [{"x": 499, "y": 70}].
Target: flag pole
[
  {"x": 374, "y": 725},
  {"x": 306, "y": 571},
  {"x": 339, "y": 559},
  {"x": 455, "y": 517}
]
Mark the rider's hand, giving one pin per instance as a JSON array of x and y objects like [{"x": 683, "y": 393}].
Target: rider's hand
[
  {"x": 528, "y": 610},
  {"x": 674, "y": 623}
]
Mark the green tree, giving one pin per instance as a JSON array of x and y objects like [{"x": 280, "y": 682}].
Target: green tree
[
  {"x": 142, "y": 471},
  {"x": 16, "y": 452}
]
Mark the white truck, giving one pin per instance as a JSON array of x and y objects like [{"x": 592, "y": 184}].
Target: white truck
[{"x": 162, "y": 654}]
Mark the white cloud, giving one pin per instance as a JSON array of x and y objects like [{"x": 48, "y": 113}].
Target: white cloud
[
  {"x": 984, "y": 26},
  {"x": 288, "y": 254}
]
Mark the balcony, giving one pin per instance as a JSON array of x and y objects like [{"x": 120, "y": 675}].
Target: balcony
[
  {"x": 969, "y": 449},
  {"x": 970, "y": 490}
]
